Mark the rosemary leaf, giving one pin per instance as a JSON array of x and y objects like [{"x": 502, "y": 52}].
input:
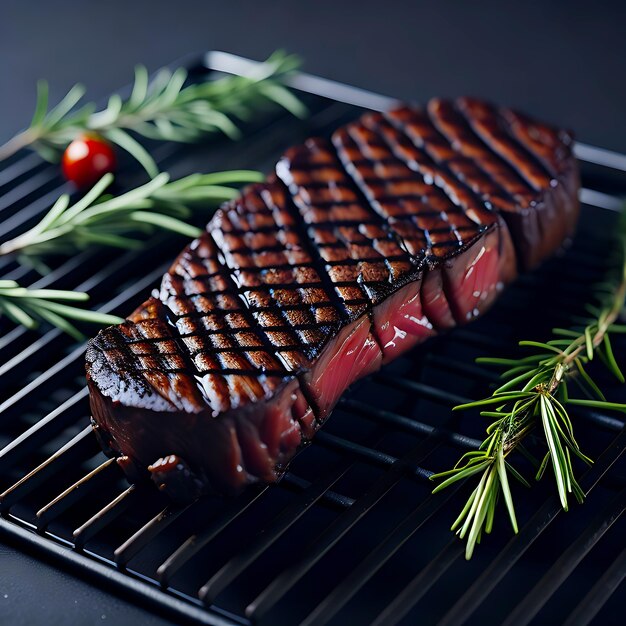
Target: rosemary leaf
[
  {"x": 504, "y": 482},
  {"x": 164, "y": 108},
  {"x": 122, "y": 221},
  {"x": 535, "y": 394},
  {"x": 610, "y": 357},
  {"x": 135, "y": 149},
  {"x": 166, "y": 223},
  {"x": 590, "y": 382},
  {"x": 498, "y": 399},
  {"x": 28, "y": 307},
  {"x": 598, "y": 404}
]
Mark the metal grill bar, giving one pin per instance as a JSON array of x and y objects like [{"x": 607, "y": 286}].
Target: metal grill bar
[
  {"x": 133, "y": 545},
  {"x": 165, "y": 605},
  {"x": 333, "y": 533},
  {"x": 502, "y": 564},
  {"x": 368, "y": 567},
  {"x": 603, "y": 589},
  {"x": 420, "y": 585},
  {"x": 102, "y": 518},
  {"x": 96, "y": 281},
  {"x": 526, "y": 610},
  {"x": 334, "y": 500},
  {"x": 43, "y": 430},
  {"x": 72, "y": 494},
  {"x": 289, "y": 516},
  {"x": 50, "y": 374},
  {"x": 409, "y": 424},
  {"x": 421, "y": 389},
  {"x": 371, "y": 455},
  {"x": 69, "y": 453},
  {"x": 196, "y": 542},
  {"x": 25, "y": 165}
]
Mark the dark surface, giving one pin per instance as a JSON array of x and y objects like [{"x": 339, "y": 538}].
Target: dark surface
[
  {"x": 60, "y": 598},
  {"x": 562, "y": 61}
]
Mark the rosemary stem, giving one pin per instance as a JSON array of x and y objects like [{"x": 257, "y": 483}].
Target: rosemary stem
[
  {"x": 578, "y": 344},
  {"x": 165, "y": 107},
  {"x": 14, "y": 245},
  {"x": 534, "y": 395},
  {"x": 21, "y": 140}
]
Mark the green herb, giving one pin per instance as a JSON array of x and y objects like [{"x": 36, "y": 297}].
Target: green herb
[
  {"x": 162, "y": 108},
  {"x": 120, "y": 221},
  {"x": 535, "y": 396},
  {"x": 31, "y": 306}
]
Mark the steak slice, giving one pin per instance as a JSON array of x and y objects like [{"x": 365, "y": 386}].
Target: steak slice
[{"x": 356, "y": 249}]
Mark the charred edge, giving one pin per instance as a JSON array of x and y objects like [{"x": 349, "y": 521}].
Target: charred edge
[
  {"x": 560, "y": 173},
  {"x": 546, "y": 197},
  {"x": 129, "y": 359}
]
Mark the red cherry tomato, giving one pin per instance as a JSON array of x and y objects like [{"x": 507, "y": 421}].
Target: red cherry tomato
[{"x": 87, "y": 159}]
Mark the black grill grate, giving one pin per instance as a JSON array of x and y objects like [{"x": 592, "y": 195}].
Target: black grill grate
[{"x": 352, "y": 534}]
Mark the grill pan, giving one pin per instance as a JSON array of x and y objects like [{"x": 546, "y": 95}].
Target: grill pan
[{"x": 351, "y": 534}]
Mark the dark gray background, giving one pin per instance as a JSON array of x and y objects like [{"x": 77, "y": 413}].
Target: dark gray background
[{"x": 563, "y": 61}]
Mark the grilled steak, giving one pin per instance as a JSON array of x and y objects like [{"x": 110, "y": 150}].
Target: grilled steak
[{"x": 355, "y": 249}]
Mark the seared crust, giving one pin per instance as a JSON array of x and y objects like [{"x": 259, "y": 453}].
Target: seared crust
[
  {"x": 212, "y": 374},
  {"x": 523, "y": 169}
]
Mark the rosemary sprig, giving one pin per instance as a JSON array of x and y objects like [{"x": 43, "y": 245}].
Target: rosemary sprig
[
  {"x": 29, "y": 307},
  {"x": 164, "y": 108},
  {"x": 535, "y": 395},
  {"x": 120, "y": 221}
]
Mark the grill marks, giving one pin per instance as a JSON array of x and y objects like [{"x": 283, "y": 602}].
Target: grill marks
[
  {"x": 453, "y": 125},
  {"x": 360, "y": 254},
  {"x": 280, "y": 300},
  {"x": 232, "y": 364},
  {"x": 550, "y": 145},
  {"x": 522, "y": 169},
  {"x": 433, "y": 213},
  {"x": 486, "y": 122},
  {"x": 417, "y": 160},
  {"x": 352, "y": 246},
  {"x": 418, "y": 126}
]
